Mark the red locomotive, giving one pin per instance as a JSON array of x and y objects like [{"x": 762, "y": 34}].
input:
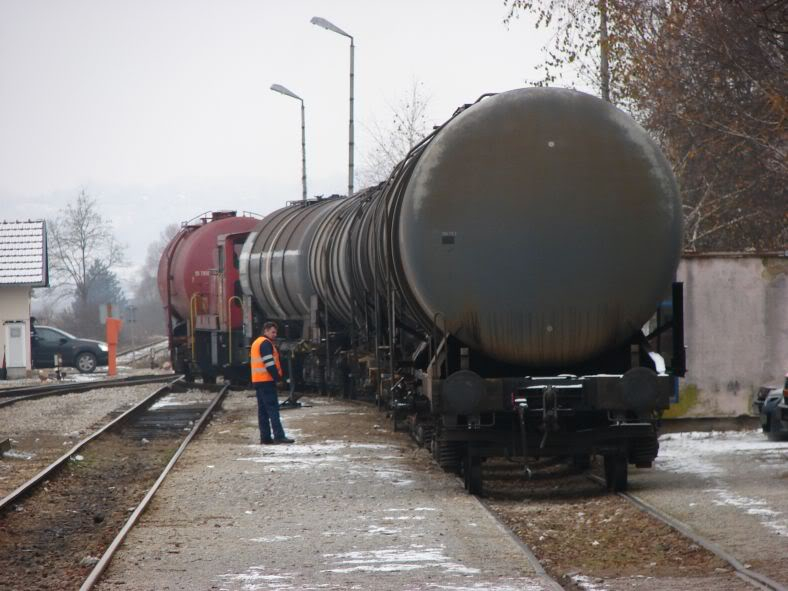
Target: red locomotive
[{"x": 200, "y": 287}]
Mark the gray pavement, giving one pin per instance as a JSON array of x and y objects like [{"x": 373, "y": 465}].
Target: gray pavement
[
  {"x": 350, "y": 506},
  {"x": 730, "y": 487}
]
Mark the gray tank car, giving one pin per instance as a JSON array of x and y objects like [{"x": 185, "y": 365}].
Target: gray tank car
[{"x": 533, "y": 234}]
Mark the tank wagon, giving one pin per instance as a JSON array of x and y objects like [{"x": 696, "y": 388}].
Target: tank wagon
[
  {"x": 198, "y": 280},
  {"x": 508, "y": 291}
]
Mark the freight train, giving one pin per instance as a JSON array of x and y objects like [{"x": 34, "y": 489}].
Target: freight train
[{"x": 507, "y": 291}]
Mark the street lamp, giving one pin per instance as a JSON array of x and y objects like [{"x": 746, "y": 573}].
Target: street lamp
[
  {"x": 132, "y": 320},
  {"x": 321, "y": 22},
  {"x": 282, "y": 90}
]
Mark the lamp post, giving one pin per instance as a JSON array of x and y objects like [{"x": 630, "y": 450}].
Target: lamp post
[
  {"x": 132, "y": 320},
  {"x": 321, "y": 22},
  {"x": 282, "y": 90}
]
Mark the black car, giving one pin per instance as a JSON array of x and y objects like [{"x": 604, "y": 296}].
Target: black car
[
  {"x": 771, "y": 404},
  {"x": 84, "y": 354}
]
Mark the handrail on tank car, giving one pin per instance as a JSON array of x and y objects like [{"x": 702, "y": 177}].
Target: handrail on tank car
[
  {"x": 206, "y": 215},
  {"x": 230, "y": 325},
  {"x": 192, "y": 315},
  {"x": 173, "y": 246}
]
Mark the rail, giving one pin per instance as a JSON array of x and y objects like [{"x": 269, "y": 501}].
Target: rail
[
  {"x": 192, "y": 325},
  {"x": 754, "y": 578},
  {"x": 11, "y": 395},
  {"x": 102, "y": 564},
  {"x": 230, "y": 326},
  {"x": 30, "y": 485}
]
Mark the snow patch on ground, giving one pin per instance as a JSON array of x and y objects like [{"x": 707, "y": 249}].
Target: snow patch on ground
[
  {"x": 270, "y": 539},
  {"x": 394, "y": 475},
  {"x": 18, "y": 455},
  {"x": 386, "y": 531},
  {"x": 501, "y": 585},
  {"x": 396, "y": 559},
  {"x": 752, "y": 506},
  {"x": 704, "y": 454},
  {"x": 588, "y": 583},
  {"x": 172, "y": 400},
  {"x": 699, "y": 452},
  {"x": 253, "y": 579},
  {"x": 302, "y": 456}
]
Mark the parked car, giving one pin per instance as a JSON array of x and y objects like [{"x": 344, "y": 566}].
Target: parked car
[
  {"x": 771, "y": 404},
  {"x": 760, "y": 398},
  {"x": 83, "y": 354}
]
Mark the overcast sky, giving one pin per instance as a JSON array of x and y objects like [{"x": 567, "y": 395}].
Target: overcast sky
[{"x": 161, "y": 109}]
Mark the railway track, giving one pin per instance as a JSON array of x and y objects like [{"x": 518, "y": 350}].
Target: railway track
[
  {"x": 587, "y": 538},
  {"x": 161, "y": 344},
  {"x": 757, "y": 579},
  {"x": 12, "y": 395},
  {"x": 60, "y": 529}
]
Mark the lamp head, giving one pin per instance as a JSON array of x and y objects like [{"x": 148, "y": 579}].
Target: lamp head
[
  {"x": 321, "y": 22},
  {"x": 282, "y": 90}
]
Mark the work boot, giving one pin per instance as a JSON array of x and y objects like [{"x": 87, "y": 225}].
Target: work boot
[
  {"x": 284, "y": 440},
  {"x": 266, "y": 441}
]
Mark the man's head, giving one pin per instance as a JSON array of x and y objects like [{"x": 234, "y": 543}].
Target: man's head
[{"x": 270, "y": 329}]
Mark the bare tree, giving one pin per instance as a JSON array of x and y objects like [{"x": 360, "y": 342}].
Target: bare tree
[
  {"x": 103, "y": 287},
  {"x": 581, "y": 39},
  {"x": 79, "y": 238},
  {"x": 707, "y": 78},
  {"x": 391, "y": 142},
  {"x": 149, "y": 307}
]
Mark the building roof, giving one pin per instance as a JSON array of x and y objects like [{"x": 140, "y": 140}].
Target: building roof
[{"x": 23, "y": 253}]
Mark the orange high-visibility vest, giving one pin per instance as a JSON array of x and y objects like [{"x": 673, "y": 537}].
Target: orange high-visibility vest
[{"x": 259, "y": 371}]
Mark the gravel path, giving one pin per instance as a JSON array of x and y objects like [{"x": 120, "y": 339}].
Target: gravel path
[
  {"x": 349, "y": 506},
  {"x": 730, "y": 487},
  {"x": 41, "y": 430},
  {"x": 71, "y": 375}
]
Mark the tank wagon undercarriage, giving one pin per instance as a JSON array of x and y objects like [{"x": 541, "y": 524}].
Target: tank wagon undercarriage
[{"x": 506, "y": 292}]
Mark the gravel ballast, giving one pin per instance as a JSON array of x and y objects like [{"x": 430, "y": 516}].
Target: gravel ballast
[{"x": 43, "y": 429}]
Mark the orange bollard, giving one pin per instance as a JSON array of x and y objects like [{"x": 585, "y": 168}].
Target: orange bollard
[{"x": 113, "y": 331}]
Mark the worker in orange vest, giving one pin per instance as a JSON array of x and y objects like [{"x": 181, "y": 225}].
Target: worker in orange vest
[{"x": 266, "y": 372}]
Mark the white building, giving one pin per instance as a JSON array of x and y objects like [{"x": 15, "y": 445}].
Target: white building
[{"x": 23, "y": 266}]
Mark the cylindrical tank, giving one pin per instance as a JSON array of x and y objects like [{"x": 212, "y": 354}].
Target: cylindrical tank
[
  {"x": 191, "y": 255},
  {"x": 275, "y": 265},
  {"x": 541, "y": 227}
]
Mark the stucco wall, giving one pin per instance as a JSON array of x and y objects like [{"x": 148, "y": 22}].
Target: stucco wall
[
  {"x": 14, "y": 305},
  {"x": 736, "y": 324}
]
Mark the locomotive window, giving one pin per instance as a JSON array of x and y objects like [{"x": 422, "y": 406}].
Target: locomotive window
[
  {"x": 237, "y": 248},
  {"x": 237, "y": 288}
]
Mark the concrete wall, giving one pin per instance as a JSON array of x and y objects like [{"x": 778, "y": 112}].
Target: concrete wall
[
  {"x": 736, "y": 323},
  {"x": 14, "y": 305}
]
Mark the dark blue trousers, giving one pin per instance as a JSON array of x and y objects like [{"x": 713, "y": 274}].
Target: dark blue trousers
[{"x": 268, "y": 411}]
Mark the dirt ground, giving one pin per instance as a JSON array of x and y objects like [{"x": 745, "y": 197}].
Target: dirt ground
[
  {"x": 43, "y": 429},
  {"x": 581, "y": 533},
  {"x": 52, "y": 538},
  {"x": 49, "y": 542},
  {"x": 354, "y": 505},
  {"x": 730, "y": 487}
]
